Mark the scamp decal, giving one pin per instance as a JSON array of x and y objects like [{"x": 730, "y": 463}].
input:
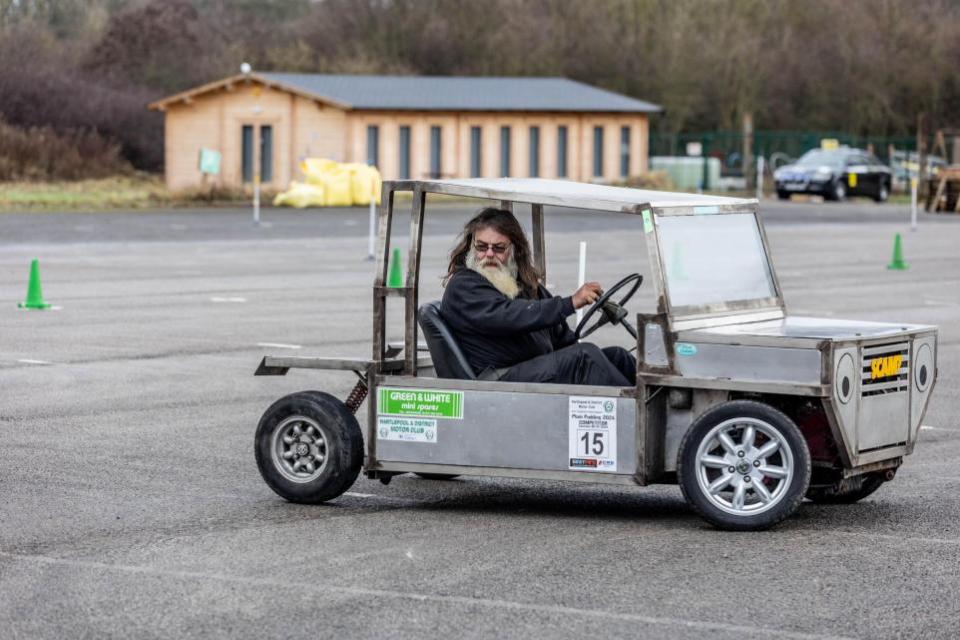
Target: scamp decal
[{"x": 885, "y": 367}]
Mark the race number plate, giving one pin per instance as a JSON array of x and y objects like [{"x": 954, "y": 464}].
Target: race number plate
[{"x": 593, "y": 433}]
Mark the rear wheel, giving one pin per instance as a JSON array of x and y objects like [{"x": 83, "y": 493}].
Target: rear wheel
[
  {"x": 883, "y": 192},
  {"x": 744, "y": 466},
  {"x": 838, "y": 191},
  {"x": 309, "y": 448},
  {"x": 857, "y": 488}
]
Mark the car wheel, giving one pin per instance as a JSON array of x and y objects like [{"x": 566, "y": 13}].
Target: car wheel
[
  {"x": 838, "y": 191},
  {"x": 744, "y": 466},
  {"x": 860, "y": 488},
  {"x": 783, "y": 195},
  {"x": 883, "y": 192},
  {"x": 437, "y": 476},
  {"x": 309, "y": 448}
]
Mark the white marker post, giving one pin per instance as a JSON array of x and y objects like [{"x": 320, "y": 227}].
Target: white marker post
[
  {"x": 759, "y": 177},
  {"x": 582, "y": 276},
  {"x": 371, "y": 244},
  {"x": 256, "y": 199},
  {"x": 913, "y": 204}
]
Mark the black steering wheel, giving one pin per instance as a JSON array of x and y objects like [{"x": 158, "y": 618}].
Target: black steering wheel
[{"x": 613, "y": 312}]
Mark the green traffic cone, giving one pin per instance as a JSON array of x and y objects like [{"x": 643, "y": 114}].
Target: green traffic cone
[
  {"x": 395, "y": 277},
  {"x": 34, "y": 292},
  {"x": 897, "y": 262}
]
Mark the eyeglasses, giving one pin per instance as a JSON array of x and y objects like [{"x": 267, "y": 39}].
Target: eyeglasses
[{"x": 483, "y": 247}]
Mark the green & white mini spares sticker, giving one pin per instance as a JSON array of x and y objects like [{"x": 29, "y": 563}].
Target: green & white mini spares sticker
[{"x": 420, "y": 403}]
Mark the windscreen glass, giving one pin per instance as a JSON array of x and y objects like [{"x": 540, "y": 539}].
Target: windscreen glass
[
  {"x": 711, "y": 259},
  {"x": 817, "y": 158}
]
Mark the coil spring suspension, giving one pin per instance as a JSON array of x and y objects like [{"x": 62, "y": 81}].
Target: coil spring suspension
[{"x": 357, "y": 396}]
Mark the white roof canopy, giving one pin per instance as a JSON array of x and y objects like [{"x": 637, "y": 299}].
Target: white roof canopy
[{"x": 575, "y": 194}]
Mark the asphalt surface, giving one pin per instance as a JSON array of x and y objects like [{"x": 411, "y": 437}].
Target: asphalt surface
[{"x": 132, "y": 506}]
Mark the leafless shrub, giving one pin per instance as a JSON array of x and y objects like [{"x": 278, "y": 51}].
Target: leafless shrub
[{"x": 42, "y": 153}]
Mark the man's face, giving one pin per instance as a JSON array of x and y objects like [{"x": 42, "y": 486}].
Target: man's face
[{"x": 491, "y": 247}]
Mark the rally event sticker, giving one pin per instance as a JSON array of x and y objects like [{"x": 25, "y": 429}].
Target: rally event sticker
[
  {"x": 593, "y": 433},
  {"x": 420, "y": 403},
  {"x": 407, "y": 429}
]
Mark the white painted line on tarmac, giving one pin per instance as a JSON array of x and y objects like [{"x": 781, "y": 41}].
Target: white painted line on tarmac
[
  {"x": 926, "y": 427},
  {"x": 31, "y": 361},
  {"x": 228, "y": 299},
  {"x": 898, "y": 537},
  {"x": 360, "y": 495},
  {"x": 941, "y": 303},
  {"x": 467, "y": 601},
  {"x": 278, "y": 345}
]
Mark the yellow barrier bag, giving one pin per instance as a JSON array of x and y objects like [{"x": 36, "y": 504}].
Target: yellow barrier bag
[
  {"x": 300, "y": 196},
  {"x": 365, "y": 183},
  {"x": 315, "y": 168},
  {"x": 336, "y": 189},
  {"x": 332, "y": 184}
]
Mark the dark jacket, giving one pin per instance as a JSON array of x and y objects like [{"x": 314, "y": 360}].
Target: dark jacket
[{"x": 496, "y": 332}]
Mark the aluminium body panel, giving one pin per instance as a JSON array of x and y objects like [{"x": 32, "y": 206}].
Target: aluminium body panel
[
  {"x": 792, "y": 366},
  {"x": 501, "y": 429}
]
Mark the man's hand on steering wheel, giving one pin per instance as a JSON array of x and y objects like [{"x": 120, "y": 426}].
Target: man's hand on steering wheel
[
  {"x": 613, "y": 312},
  {"x": 587, "y": 294}
]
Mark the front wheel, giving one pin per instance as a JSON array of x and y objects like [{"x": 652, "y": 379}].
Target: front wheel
[
  {"x": 309, "y": 448},
  {"x": 744, "y": 466},
  {"x": 838, "y": 191}
]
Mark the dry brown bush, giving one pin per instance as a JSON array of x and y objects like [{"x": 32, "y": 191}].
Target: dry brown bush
[{"x": 41, "y": 153}]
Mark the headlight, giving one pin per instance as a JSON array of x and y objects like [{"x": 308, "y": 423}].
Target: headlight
[{"x": 845, "y": 378}]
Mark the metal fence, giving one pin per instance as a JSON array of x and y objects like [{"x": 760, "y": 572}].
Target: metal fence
[{"x": 777, "y": 147}]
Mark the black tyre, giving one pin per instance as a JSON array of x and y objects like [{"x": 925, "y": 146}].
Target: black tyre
[
  {"x": 309, "y": 447},
  {"x": 860, "y": 488},
  {"x": 883, "y": 192},
  {"x": 744, "y": 466},
  {"x": 437, "y": 476},
  {"x": 783, "y": 195},
  {"x": 837, "y": 191}
]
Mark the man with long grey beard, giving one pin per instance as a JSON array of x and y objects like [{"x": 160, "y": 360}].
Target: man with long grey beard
[{"x": 508, "y": 325}]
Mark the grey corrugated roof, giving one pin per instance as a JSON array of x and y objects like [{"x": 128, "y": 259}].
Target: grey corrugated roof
[{"x": 458, "y": 93}]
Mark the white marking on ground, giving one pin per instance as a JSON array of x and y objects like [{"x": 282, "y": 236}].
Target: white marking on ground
[
  {"x": 468, "y": 601},
  {"x": 360, "y": 495},
  {"x": 926, "y": 427},
  {"x": 31, "y": 361},
  {"x": 227, "y": 299},
  {"x": 941, "y": 303},
  {"x": 278, "y": 345},
  {"x": 899, "y": 537}
]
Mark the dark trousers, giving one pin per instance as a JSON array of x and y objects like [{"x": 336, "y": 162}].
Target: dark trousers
[{"x": 581, "y": 363}]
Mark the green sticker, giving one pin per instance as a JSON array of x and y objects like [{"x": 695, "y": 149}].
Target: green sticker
[
  {"x": 686, "y": 349},
  {"x": 420, "y": 403},
  {"x": 647, "y": 221}
]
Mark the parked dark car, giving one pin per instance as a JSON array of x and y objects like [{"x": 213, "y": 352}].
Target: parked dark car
[{"x": 835, "y": 174}]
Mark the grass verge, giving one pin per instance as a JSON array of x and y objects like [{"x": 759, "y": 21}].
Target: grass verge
[{"x": 137, "y": 191}]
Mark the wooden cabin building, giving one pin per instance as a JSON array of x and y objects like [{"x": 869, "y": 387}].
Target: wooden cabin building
[{"x": 407, "y": 126}]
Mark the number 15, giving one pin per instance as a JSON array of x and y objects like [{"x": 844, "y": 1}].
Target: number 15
[{"x": 597, "y": 443}]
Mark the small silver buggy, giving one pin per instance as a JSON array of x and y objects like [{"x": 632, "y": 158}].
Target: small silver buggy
[{"x": 749, "y": 409}]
